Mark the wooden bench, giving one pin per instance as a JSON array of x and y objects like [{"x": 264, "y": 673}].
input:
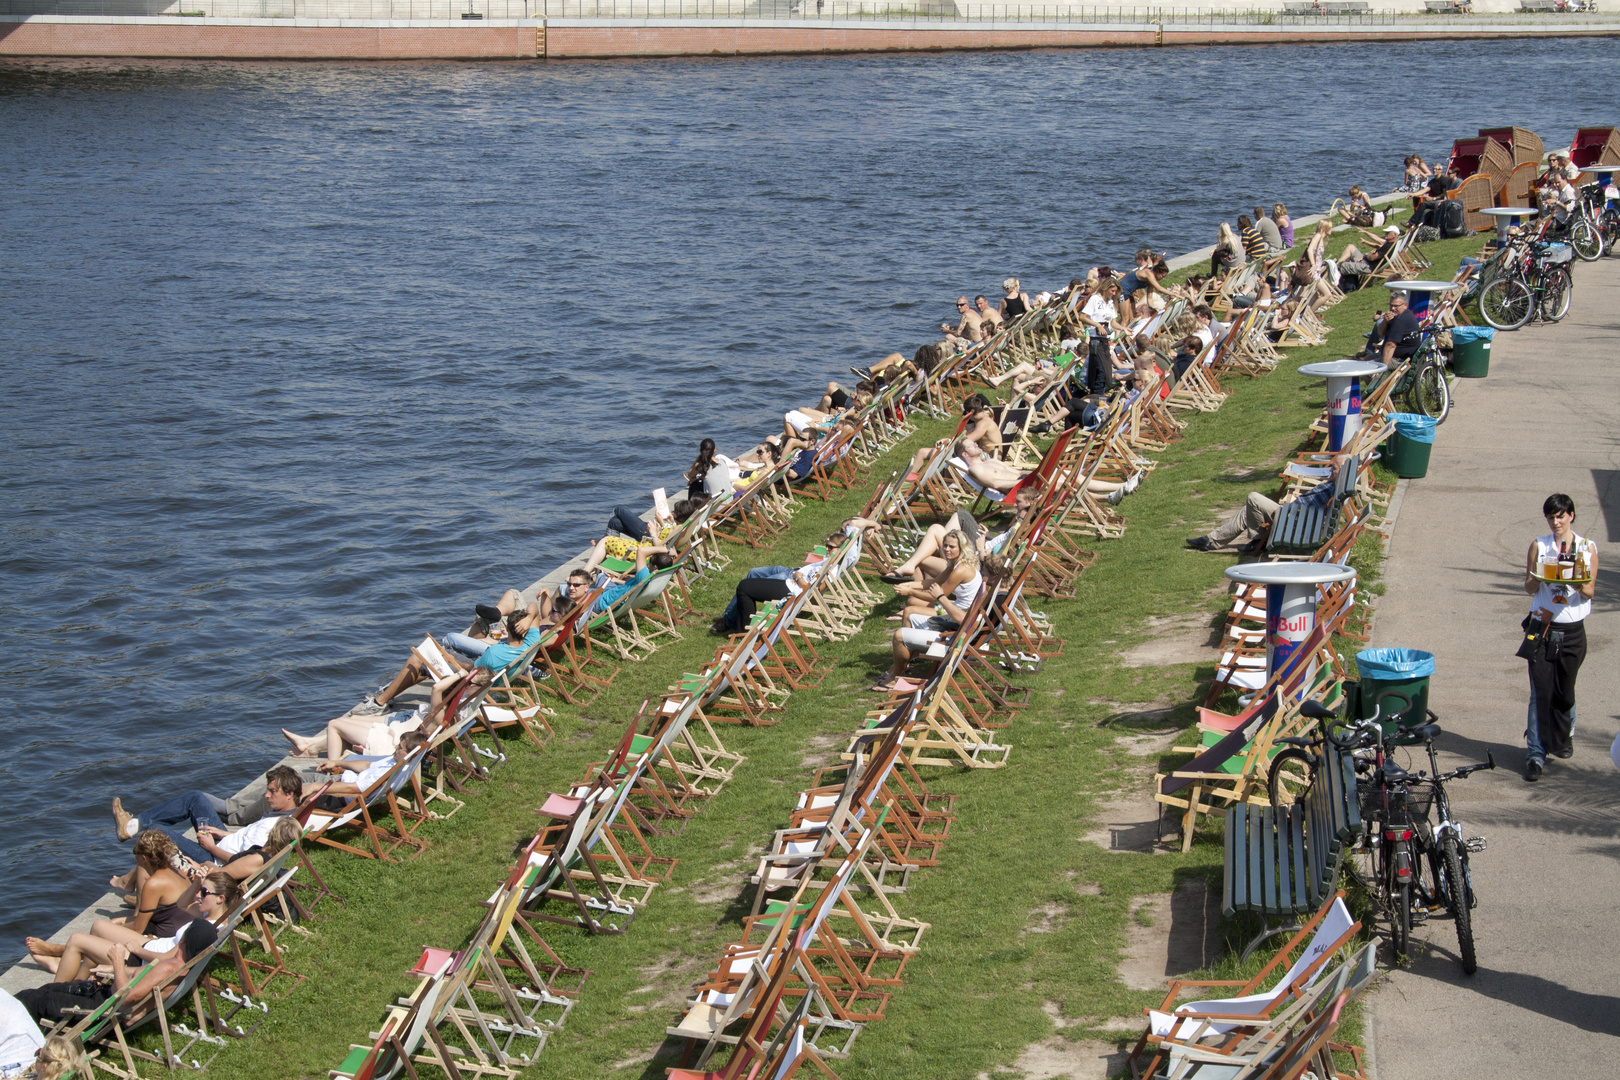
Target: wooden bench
[
  {"x": 1303, "y": 526},
  {"x": 1283, "y": 862},
  {"x": 1538, "y": 5}
]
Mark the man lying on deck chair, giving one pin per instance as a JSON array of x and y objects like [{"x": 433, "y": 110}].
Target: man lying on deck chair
[
  {"x": 1258, "y": 512},
  {"x": 763, "y": 584},
  {"x": 1358, "y": 265},
  {"x": 49, "y": 1003},
  {"x": 283, "y": 790},
  {"x": 522, "y": 629}
]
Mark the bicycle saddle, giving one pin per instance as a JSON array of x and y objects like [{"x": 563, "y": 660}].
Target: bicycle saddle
[
  {"x": 1393, "y": 774},
  {"x": 1427, "y": 732}
]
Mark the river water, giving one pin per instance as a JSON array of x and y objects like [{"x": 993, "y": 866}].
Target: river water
[{"x": 300, "y": 360}]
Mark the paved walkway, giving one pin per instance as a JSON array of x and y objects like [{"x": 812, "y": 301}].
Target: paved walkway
[{"x": 1546, "y": 999}]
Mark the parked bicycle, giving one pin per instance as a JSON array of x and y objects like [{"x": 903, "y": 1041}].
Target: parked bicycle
[
  {"x": 1582, "y": 231},
  {"x": 1396, "y": 811},
  {"x": 1604, "y": 201},
  {"x": 1423, "y": 387},
  {"x": 1536, "y": 284}
]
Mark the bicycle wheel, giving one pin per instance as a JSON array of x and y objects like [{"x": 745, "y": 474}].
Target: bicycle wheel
[
  {"x": 1457, "y": 900},
  {"x": 1505, "y": 303},
  {"x": 1556, "y": 289},
  {"x": 1400, "y": 920},
  {"x": 1430, "y": 394},
  {"x": 1585, "y": 239},
  {"x": 1290, "y": 777}
]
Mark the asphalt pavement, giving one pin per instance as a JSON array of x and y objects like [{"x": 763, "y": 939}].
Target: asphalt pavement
[{"x": 1546, "y": 999}]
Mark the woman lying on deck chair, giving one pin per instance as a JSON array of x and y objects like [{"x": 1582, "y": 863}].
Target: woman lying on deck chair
[
  {"x": 922, "y": 622},
  {"x": 380, "y": 734},
  {"x": 215, "y": 896}
]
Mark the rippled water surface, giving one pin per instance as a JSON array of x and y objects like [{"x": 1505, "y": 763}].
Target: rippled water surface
[{"x": 302, "y": 359}]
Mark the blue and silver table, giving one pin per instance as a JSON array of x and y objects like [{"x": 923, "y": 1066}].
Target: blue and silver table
[
  {"x": 1293, "y": 590},
  {"x": 1343, "y": 396}
]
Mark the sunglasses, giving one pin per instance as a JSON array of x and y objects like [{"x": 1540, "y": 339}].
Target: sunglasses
[{"x": 210, "y": 892}]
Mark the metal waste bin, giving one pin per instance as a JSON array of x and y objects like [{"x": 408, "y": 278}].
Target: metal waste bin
[{"x": 1471, "y": 351}]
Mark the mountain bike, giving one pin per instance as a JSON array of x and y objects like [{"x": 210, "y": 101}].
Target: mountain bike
[
  {"x": 1538, "y": 285},
  {"x": 1396, "y": 807}
]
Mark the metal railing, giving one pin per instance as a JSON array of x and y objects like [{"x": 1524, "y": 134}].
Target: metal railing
[{"x": 889, "y": 11}]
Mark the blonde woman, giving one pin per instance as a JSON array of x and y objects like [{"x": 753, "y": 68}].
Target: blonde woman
[
  {"x": 1228, "y": 250},
  {"x": 949, "y": 591},
  {"x": 59, "y": 1059},
  {"x": 1285, "y": 224}
]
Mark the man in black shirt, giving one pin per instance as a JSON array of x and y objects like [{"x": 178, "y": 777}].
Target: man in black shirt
[{"x": 1397, "y": 335}]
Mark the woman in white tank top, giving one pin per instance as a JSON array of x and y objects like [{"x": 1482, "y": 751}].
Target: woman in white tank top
[{"x": 1560, "y": 574}]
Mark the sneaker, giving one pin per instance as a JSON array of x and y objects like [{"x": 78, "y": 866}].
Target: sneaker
[
  {"x": 1566, "y": 752},
  {"x": 368, "y": 707},
  {"x": 490, "y": 615},
  {"x": 1532, "y": 770},
  {"x": 1134, "y": 482},
  {"x": 1201, "y": 543},
  {"x": 128, "y": 824},
  {"x": 1116, "y": 496}
]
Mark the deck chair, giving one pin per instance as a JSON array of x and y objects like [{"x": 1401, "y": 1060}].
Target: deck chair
[
  {"x": 1278, "y": 1045},
  {"x": 1233, "y": 768},
  {"x": 636, "y": 638},
  {"x": 1322, "y": 936},
  {"x": 356, "y": 812}
]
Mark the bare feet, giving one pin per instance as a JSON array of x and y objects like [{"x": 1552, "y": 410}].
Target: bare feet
[
  {"x": 302, "y": 746},
  {"x": 123, "y": 820},
  {"x": 122, "y": 881},
  {"x": 44, "y": 952}
]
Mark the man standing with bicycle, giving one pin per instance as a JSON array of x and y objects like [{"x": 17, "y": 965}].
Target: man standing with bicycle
[{"x": 1398, "y": 333}]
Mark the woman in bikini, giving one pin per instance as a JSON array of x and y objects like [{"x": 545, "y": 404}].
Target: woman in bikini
[{"x": 376, "y": 735}]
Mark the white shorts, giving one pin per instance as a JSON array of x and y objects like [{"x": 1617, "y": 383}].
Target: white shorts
[
  {"x": 798, "y": 421},
  {"x": 913, "y": 638}
]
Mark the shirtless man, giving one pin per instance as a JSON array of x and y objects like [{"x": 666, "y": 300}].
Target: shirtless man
[
  {"x": 999, "y": 476},
  {"x": 988, "y": 316},
  {"x": 968, "y": 329},
  {"x": 984, "y": 430}
]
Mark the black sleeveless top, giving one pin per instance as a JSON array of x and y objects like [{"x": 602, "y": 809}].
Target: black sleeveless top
[{"x": 1015, "y": 307}]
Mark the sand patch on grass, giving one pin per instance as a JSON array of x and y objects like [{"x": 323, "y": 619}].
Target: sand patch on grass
[
  {"x": 1057, "y": 1058},
  {"x": 1173, "y": 639},
  {"x": 1170, "y": 934},
  {"x": 1126, "y": 822}
]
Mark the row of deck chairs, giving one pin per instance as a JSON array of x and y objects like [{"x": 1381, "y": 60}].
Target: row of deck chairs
[{"x": 825, "y": 946}]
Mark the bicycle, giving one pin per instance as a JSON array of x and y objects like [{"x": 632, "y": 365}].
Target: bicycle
[
  {"x": 1396, "y": 806},
  {"x": 1605, "y": 214},
  {"x": 1423, "y": 387},
  {"x": 1537, "y": 284},
  {"x": 1582, "y": 231}
]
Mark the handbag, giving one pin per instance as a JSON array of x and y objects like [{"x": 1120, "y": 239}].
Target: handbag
[{"x": 1534, "y": 638}]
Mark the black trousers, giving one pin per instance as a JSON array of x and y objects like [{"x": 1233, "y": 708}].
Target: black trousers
[
  {"x": 751, "y": 592},
  {"x": 1099, "y": 366},
  {"x": 45, "y": 1003},
  {"x": 1552, "y": 674}
]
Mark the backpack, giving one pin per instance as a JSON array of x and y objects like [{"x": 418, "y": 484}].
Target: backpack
[{"x": 1452, "y": 223}]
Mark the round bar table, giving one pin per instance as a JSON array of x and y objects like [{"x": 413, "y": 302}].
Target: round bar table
[
  {"x": 1343, "y": 396},
  {"x": 1508, "y": 216},
  {"x": 1421, "y": 292},
  {"x": 1292, "y": 589}
]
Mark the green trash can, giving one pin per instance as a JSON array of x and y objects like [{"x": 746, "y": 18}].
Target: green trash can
[
  {"x": 1387, "y": 672},
  {"x": 1410, "y": 446},
  {"x": 1471, "y": 351}
]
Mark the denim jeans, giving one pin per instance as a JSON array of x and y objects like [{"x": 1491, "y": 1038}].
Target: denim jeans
[
  {"x": 195, "y": 808},
  {"x": 628, "y": 522},
  {"x": 466, "y": 646},
  {"x": 1532, "y": 730},
  {"x": 781, "y": 573}
]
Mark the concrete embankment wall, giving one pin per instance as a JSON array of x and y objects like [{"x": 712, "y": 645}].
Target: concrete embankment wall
[{"x": 556, "y": 39}]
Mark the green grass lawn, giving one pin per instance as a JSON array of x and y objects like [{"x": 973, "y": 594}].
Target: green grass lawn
[{"x": 1028, "y": 920}]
